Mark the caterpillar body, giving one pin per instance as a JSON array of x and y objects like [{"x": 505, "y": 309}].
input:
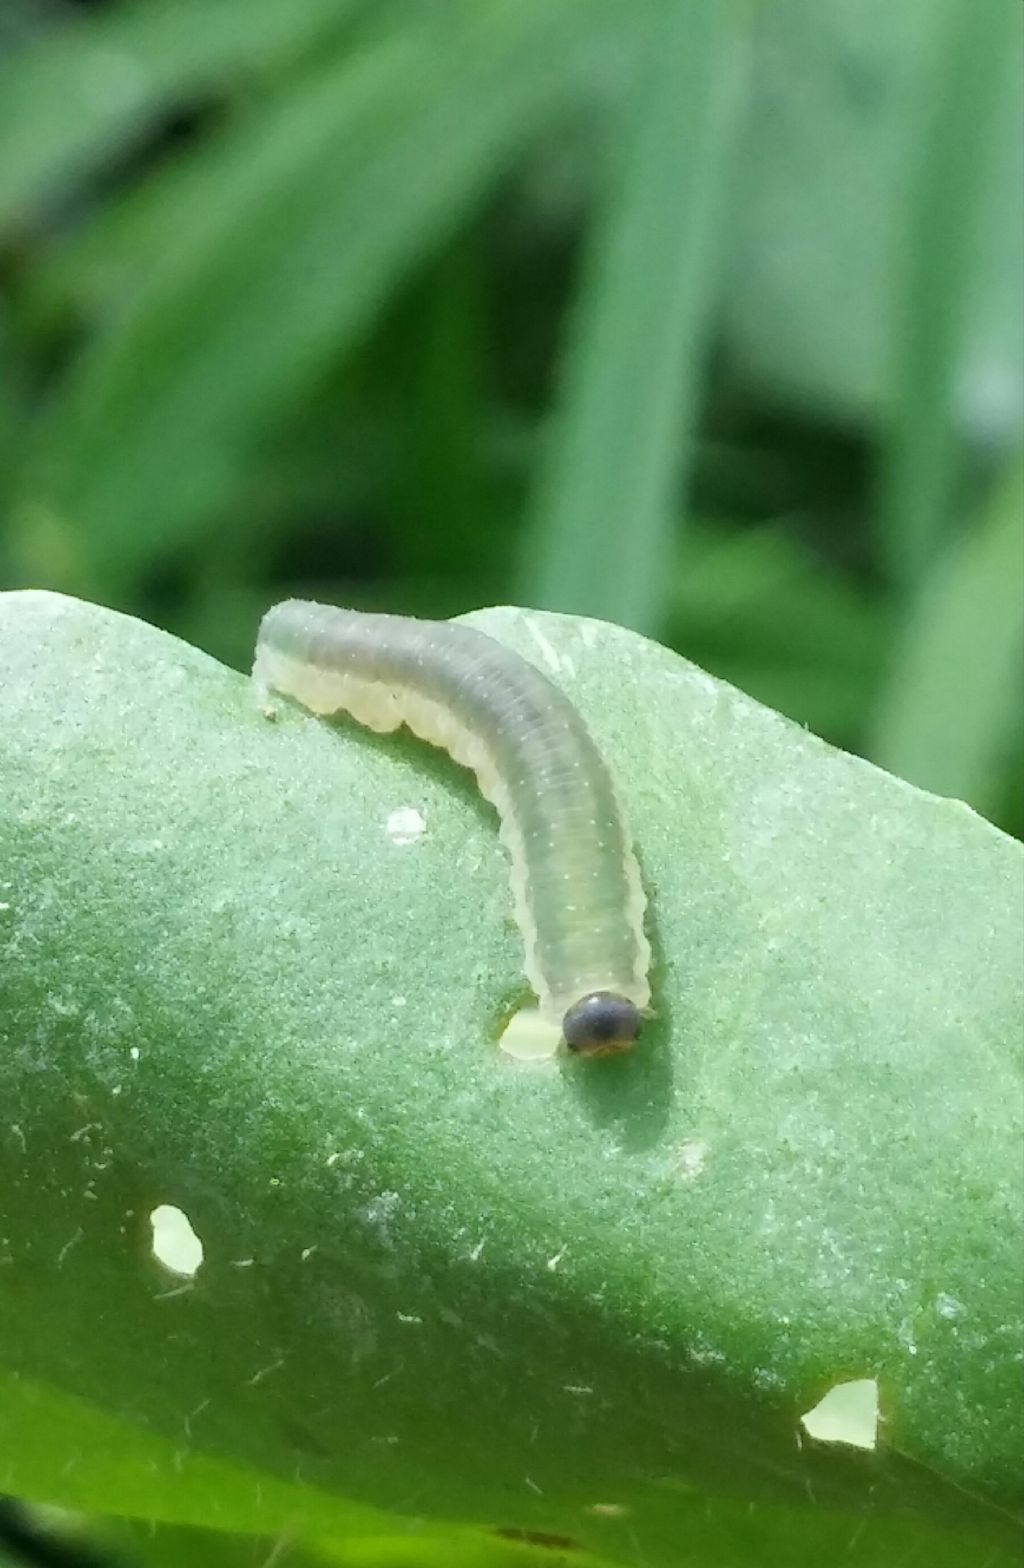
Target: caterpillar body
[{"x": 579, "y": 901}]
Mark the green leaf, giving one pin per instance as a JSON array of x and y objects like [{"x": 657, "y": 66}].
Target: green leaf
[
  {"x": 586, "y": 1299},
  {"x": 87, "y": 1459},
  {"x": 287, "y": 236},
  {"x": 601, "y": 540},
  {"x": 71, "y": 97},
  {"x": 172, "y": 1546}
]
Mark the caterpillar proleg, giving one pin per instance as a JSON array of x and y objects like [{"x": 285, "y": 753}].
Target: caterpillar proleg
[{"x": 579, "y": 902}]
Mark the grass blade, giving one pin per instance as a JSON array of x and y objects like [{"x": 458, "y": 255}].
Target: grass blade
[
  {"x": 943, "y": 722},
  {"x": 603, "y": 513},
  {"x": 72, "y": 97},
  {"x": 982, "y": 40},
  {"x": 282, "y": 255}
]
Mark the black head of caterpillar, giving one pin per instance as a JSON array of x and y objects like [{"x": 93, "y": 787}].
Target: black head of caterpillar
[{"x": 601, "y": 1023}]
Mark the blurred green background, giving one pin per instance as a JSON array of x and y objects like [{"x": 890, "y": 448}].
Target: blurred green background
[
  {"x": 706, "y": 317},
  {"x": 699, "y": 316}
]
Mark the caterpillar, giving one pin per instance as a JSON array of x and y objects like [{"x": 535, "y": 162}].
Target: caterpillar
[{"x": 579, "y": 901}]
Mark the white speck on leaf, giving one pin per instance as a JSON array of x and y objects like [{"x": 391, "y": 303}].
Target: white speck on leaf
[
  {"x": 405, "y": 825},
  {"x": 83, "y": 1132},
  {"x": 380, "y": 1209},
  {"x": 547, "y": 652},
  {"x": 265, "y": 1372},
  {"x": 764, "y": 1377},
  {"x": 177, "y": 1290},
  {"x": 76, "y": 1238},
  {"x": 691, "y": 1158}
]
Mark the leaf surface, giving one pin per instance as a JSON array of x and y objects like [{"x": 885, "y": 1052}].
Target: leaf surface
[{"x": 587, "y": 1299}]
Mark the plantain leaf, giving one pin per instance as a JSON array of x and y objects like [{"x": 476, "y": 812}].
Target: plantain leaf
[{"x": 444, "y": 1290}]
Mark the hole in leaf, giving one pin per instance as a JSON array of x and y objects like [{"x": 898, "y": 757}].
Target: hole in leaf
[
  {"x": 847, "y": 1414},
  {"x": 530, "y": 1038},
  {"x": 175, "y": 1243}
]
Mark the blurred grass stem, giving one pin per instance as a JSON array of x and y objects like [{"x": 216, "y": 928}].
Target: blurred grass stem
[
  {"x": 945, "y": 718},
  {"x": 938, "y": 267},
  {"x": 604, "y": 513}
]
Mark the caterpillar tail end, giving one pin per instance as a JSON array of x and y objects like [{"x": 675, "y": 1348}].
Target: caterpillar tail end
[{"x": 261, "y": 688}]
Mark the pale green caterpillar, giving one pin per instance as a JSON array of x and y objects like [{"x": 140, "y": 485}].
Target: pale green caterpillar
[{"x": 579, "y": 902}]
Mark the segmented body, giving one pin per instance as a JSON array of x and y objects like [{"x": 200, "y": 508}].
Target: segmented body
[{"x": 578, "y": 897}]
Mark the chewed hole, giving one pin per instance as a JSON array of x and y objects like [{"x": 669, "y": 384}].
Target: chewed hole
[
  {"x": 847, "y": 1414},
  {"x": 529, "y": 1037},
  {"x": 175, "y": 1244}
]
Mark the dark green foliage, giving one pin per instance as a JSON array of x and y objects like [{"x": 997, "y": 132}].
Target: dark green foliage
[{"x": 706, "y": 319}]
